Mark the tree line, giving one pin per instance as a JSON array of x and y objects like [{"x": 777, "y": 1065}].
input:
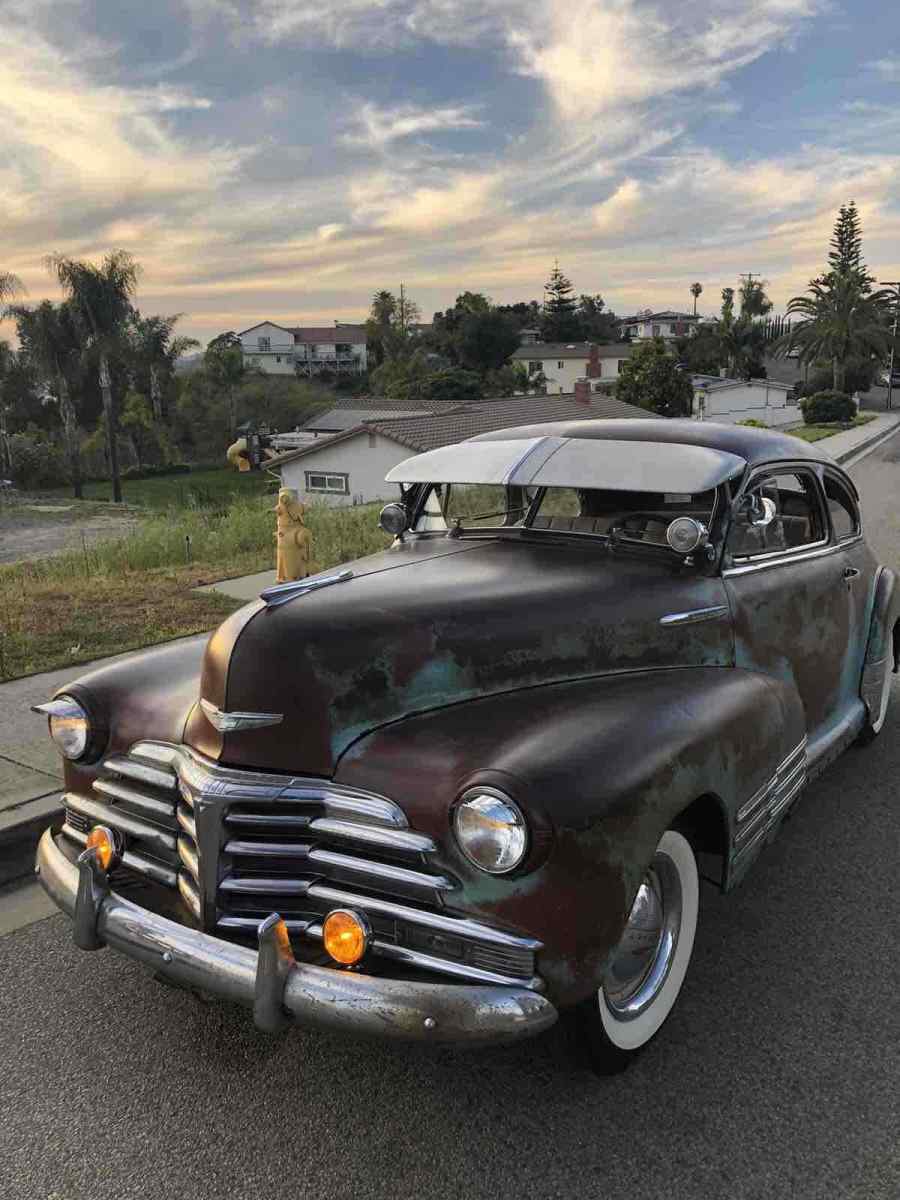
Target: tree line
[{"x": 96, "y": 375}]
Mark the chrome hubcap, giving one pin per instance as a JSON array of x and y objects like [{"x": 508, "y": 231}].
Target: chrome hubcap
[{"x": 644, "y": 955}]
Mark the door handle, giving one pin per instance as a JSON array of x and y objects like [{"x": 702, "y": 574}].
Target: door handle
[{"x": 850, "y": 573}]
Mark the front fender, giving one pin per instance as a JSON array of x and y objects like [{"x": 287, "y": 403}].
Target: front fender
[
  {"x": 604, "y": 765},
  {"x": 143, "y": 696}
]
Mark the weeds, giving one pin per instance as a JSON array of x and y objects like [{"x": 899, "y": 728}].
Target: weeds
[{"x": 130, "y": 591}]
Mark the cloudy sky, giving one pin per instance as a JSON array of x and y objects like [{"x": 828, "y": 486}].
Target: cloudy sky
[{"x": 285, "y": 159}]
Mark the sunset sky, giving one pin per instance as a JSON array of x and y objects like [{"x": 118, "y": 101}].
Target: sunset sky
[{"x": 285, "y": 159}]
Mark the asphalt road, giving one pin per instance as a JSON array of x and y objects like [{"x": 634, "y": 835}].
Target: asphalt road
[{"x": 778, "y": 1075}]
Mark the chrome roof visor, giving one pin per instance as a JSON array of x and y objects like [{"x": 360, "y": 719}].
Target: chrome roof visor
[{"x": 633, "y": 466}]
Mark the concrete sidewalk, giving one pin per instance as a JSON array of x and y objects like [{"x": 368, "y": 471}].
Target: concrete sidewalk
[{"x": 855, "y": 443}]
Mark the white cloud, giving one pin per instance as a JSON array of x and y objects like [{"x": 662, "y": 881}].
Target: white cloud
[
  {"x": 888, "y": 68},
  {"x": 377, "y": 127},
  {"x": 598, "y": 57}
]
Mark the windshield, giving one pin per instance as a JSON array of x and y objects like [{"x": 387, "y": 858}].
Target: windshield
[{"x": 632, "y": 516}]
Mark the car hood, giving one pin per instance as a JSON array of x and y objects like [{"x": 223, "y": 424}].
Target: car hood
[{"x": 436, "y": 621}]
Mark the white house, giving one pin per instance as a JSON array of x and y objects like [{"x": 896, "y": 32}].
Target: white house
[
  {"x": 666, "y": 324},
  {"x": 291, "y": 349},
  {"x": 733, "y": 400},
  {"x": 349, "y": 468},
  {"x": 564, "y": 362}
]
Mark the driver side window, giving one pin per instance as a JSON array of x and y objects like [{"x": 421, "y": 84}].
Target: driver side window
[{"x": 779, "y": 512}]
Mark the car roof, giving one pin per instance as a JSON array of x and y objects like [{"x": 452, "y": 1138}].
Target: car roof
[{"x": 743, "y": 441}]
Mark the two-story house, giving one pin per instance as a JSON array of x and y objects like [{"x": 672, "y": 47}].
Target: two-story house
[
  {"x": 562, "y": 363},
  {"x": 666, "y": 324},
  {"x": 291, "y": 349}
]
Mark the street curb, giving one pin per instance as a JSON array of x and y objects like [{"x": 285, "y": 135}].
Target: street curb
[
  {"x": 20, "y": 832},
  {"x": 871, "y": 443}
]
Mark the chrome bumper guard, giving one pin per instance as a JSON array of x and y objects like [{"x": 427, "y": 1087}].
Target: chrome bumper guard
[{"x": 279, "y": 989}]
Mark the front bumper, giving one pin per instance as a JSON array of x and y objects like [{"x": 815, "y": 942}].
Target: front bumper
[{"x": 278, "y": 989}]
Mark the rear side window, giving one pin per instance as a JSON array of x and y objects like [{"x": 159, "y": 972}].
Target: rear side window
[{"x": 842, "y": 508}]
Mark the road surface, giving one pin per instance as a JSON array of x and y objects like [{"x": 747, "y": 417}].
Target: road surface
[{"x": 777, "y": 1075}]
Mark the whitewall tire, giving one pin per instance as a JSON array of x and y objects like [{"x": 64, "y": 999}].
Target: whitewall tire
[{"x": 646, "y": 973}]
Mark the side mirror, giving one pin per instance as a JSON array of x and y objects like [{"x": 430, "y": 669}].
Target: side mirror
[
  {"x": 394, "y": 519},
  {"x": 760, "y": 510}
]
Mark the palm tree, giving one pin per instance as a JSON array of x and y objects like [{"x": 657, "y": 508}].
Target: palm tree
[
  {"x": 153, "y": 351},
  {"x": 101, "y": 299},
  {"x": 840, "y": 322},
  {"x": 696, "y": 290},
  {"x": 51, "y": 340}
]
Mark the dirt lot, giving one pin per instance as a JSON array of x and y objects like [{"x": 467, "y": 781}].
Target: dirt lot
[{"x": 35, "y": 530}]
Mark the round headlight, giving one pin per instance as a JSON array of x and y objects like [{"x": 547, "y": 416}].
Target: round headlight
[
  {"x": 490, "y": 830},
  {"x": 70, "y": 726}
]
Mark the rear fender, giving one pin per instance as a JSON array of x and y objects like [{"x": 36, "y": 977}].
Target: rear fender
[
  {"x": 602, "y": 767},
  {"x": 883, "y": 644}
]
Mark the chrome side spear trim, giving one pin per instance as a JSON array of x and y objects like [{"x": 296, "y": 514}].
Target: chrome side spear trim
[{"x": 231, "y": 722}]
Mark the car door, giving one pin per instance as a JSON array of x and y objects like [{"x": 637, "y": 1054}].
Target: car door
[{"x": 785, "y": 579}]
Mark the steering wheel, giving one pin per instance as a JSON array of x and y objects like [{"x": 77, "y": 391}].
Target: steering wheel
[{"x": 643, "y": 520}]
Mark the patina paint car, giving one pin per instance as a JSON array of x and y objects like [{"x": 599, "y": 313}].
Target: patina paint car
[{"x": 455, "y": 789}]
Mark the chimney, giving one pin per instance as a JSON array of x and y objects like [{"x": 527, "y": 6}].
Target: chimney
[
  {"x": 593, "y": 366},
  {"x": 583, "y": 391}
]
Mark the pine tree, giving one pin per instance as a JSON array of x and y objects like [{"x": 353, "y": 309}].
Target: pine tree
[
  {"x": 846, "y": 248},
  {"x": 559, "y": 322}
]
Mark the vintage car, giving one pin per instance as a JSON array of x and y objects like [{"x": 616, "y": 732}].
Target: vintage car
[{"x": 459, "y": 787}]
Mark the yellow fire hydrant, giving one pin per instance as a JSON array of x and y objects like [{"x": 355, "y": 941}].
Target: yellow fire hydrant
[{"x": 293, "y": 540}]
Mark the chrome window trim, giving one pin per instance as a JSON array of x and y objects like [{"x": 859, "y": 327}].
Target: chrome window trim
[{"x": 778, "y": 559}]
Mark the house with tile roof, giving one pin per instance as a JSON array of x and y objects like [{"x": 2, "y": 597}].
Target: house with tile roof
[
  {"x": 561, "y": 363},
  {"x": 349, "y": 467},
  {"x": 295, "y": 350},
  {"x": 667, "y": 324}
]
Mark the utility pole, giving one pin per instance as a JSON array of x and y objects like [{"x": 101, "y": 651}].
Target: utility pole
[{"x": 892, "y": 283}]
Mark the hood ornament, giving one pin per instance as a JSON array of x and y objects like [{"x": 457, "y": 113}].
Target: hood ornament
[
  {"x": 280, "y": 593},
  {"x": 232, "y": 722}
]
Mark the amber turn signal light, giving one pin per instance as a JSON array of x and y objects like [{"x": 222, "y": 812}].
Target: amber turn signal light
[
  {"x": 346, "y": 936},
  {"x": 103, "y": 841}
]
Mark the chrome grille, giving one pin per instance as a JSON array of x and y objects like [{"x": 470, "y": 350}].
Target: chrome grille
[
  {"x": 239, "y": 845},
  {"x": 136, "y": 795}
]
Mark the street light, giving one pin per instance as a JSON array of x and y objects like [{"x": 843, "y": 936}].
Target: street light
[{"x": 894, "y": 283}]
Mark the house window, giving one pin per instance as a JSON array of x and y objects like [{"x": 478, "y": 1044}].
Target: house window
[
  {"x": 278, "y": 358},
  {"x": 560, "y": 365},
  {"x": 344, "y": 348},
  {"x": 655, "y": 330},
  {"x": 264, "y": 343},
  {"x": 535, "y": 367},
  {"x": 334, "y": 484}
]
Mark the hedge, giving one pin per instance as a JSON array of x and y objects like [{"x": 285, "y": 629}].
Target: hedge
[{"x": 826, "y": 407}]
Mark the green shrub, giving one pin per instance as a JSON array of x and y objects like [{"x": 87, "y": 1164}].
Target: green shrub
[
  {"x": 825, "y": 407},
  {"x": 36, "y": 463},
  {"x": 753, "y": 423}
]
